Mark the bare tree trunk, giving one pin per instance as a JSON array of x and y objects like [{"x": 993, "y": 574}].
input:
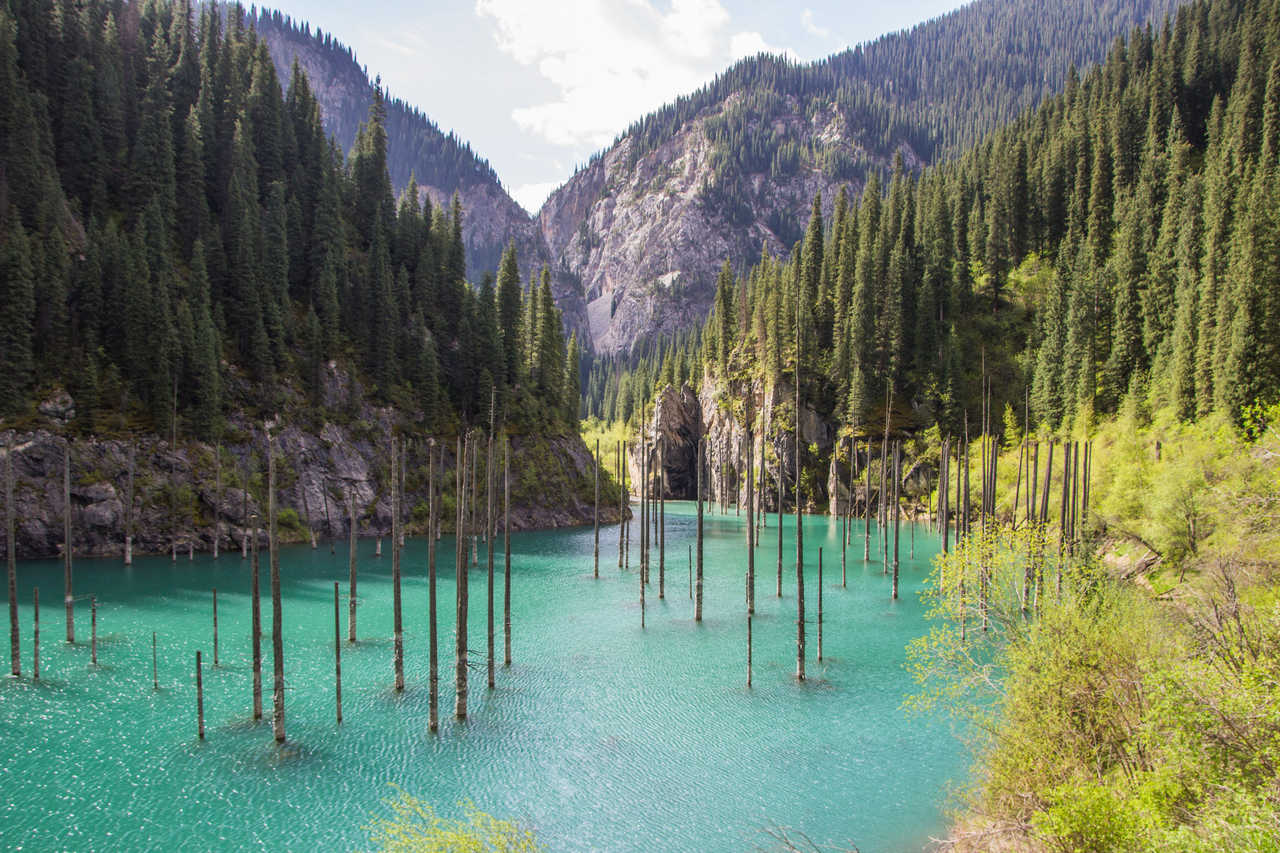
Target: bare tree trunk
[
  {"x": 506, "y": 547},
  {"x": 488, "y": 535},
  {"x": 626, "y": 526},
  {"x": 306, "y": 511},
  {"x": 244, "y": 512},
  {"x": 66, "y": 544},
  {"x": 277, "y": 616},
  {"x": 352, "y": 532},
  {"x": 128, "y": 512},
  {"x": 255, "y": 601},
  {"x": 644, "y": 526},
  {"x": 93, "y": 630},
  {"x": 662, "y": 519},
  {"x": 595, "y": 516},
  {"x": 819, "y": 605},
  {"x": 779, "y": 526},
  {"x": 751, "y": 550},
  {"x": 155, "y": 664},
  {"x": 215, "y": 627},
  {"x": 866, "y": 526},
  {"x": 460, "y": 631},
  {"x": 748, "y": 651},
  {"x": 799, "y": 531},
  {"x": 697, "y": 603},
  {"x": 433, "y": 500},
  {"x": 897, "y": 511},
  {"x": 337, "y": 653},
  {"x": 217, "y": 504},
  {"x": 397, "y": 622},
  {"x": 622, "y": 497},
  {"x": 199, "y": 698},
  {"x": 15, "y": 662},
  {"x": 35, "y": 636}
]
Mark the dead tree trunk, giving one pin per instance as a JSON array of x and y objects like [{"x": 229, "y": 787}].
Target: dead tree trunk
[
  {"x": 751, "y": 549},
  {"x": 662, "y": 519},
  {"x": 10, "y": 527},
  {"x": 460, "y": 631},
  {"x": 155, "y": 664},
  {"x": 433, "y": 506},
  {"x": 819, "y": 605},
  {"x": 352, "y": 532},
  {"x": 277, "y": 615},
  {"x": 199, "y": 698},
  {"x": 128, "y": 511},
  {"x": 595, "y": 515},
  {"x": 35, "y": 635},
  {"x": 897, "y": 511},
  {"x": 622, "y": 497},
  {"x": 697, "y": 605},
  {"x": 397, "y": 624},
  {"x": 506, "y": 549},
  {"x": 217, "y": 503},
  {"x": 337, "y": 653},
  {"x": 215, "y": 627},
  {"x": 488, "y": 535},
  {"x": 866, "y": 526},
  {"x": 779, "y": 593},
  {"x": 255, "y": 603},
  {"x": 66, "y": 544},
  {"x": 93, "y": 630}
]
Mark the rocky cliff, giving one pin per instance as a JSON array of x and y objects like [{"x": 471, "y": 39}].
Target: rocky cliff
[
  {"x": 184, "y": 494},
  {"x": 718, "y": 416}
]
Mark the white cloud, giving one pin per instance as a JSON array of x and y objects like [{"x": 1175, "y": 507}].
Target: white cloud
[
  {"x": 531, "y": 196},
  {"x": 611, "y": 61},
  {"x": 811, "y": 27}
]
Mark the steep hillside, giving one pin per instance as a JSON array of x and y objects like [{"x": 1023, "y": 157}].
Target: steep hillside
[
  {"x": 735, "y": 165},
  {"x": 441, "y": 163}
]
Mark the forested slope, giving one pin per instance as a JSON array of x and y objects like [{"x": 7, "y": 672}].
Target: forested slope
[{"x": 180, "y": 235}]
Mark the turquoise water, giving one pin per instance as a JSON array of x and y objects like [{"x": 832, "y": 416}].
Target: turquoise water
[{"x": 601, "y": 736}]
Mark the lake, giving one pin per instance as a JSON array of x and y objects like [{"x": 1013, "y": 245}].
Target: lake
[{"x": 601, "y": 736}]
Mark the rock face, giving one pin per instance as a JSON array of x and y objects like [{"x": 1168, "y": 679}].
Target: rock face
[
  {"x": 718, "y": 416},
  {"x": 646, "y": 238},
  {"x": 177, "y": 497}
]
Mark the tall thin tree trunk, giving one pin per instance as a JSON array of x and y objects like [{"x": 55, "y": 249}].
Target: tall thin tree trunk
[
  {"x": 595, "y": 515},
  {"x": 66, "y": 544},
  {"x": 622, "y": 497},
  {"x": 460, "y": 631},
  {"x": 644, "y": 526},
  {"x": 217, "y": 501},
  {"x": 626, "y": 527},
  {"x": 337, "y": 652},
  {"x": 819, "y": 604},
  {"x": 697, "y": 605},
  {"x": 506, "y": 548},
  {"x": 751, "y": 550},
  {"x": 662, "y": 519},
  {"x": 10, "y": 527},
  {"x": 897, "y": 511},
  {"x": 488, "y": 535},
  {"x": 128, "y": 511},
  {"x": 93, "y": 630},
  {"x": 215, "y": 626},
  {"x": 433, "y": 521},
  {"x": 779, "y": 593},
  {"x": 352, "y": 533},
  {"x": 866, "y": 526},
  {"x": 397, "y": 624},
  {"x": 255, "y": 605},
  {"x": 199, "y": 698},
  {"x": 35, "y": 634},
  {"x": 277, "y": 615}
]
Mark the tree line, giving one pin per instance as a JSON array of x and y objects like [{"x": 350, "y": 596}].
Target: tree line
[
  {"x": 178, "y": 236},
  {"x": 1121, "y": 240}
]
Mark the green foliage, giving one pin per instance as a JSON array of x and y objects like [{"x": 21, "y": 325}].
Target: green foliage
[
  {"x": 413, "y": 826},
  {"x": 1102, "y": 718}
]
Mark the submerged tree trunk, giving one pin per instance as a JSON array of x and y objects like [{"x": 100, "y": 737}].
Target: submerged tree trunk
[
  {"x": 66, "y": 544},
  {"x": 506, "y": 548},
  {"x": 397, "y": 624},
  {"x": 460, "y": 631},
  {"x": 10, "y": 527},
  {"x": 433, "y": 506},
  {"x": 255, "y": 605},
  {"x": 488, "y": 535},
  {"x": 697, "y": 605},
  {"x": 595, "y": 515},
  {"x": 277, "y": 617},
  {"x": 337, "y": 651},
  {"x": 352, "y": 532}
]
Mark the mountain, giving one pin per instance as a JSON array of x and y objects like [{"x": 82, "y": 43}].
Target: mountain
[
  {"x": 733, "y": 167},
  {"x": 441, "y": 163}
]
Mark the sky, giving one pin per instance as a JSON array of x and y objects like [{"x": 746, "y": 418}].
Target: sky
[{"x": 538, "y": 86}]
